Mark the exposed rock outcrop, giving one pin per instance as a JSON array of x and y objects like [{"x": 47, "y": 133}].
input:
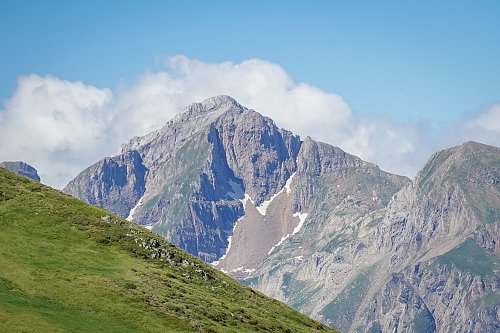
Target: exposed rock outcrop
[
  {"x": 115, "y": 183},
  {"x": 183, "y": 177}
]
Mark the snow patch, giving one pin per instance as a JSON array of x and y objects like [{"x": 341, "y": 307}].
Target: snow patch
[
  {"x": 298, "y": 257},
  {"x": 229, "y": 241},
  {"x": 244, "y": 270},
  {"x": 245, "y": 199},
  {"x": 130, "y": 216},
  {"x": 302, "y": 218},
  {"x": 263, "y": 207},
  {"x": 279, "y": 243},
  {"x": 289, "y": 183},
  {"x": 149, "y": 227}
]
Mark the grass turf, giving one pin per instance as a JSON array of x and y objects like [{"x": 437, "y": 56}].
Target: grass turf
[{"x": 65, "y": 269}]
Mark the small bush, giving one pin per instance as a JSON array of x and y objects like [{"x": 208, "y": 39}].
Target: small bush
[{"x": 130, "y": 285}]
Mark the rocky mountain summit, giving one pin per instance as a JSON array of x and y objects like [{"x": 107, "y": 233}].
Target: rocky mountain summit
[
  {"x": 186, "y": 180},
  {"x": 307, "y": 223},
  {"x": 21, "y": 168}
]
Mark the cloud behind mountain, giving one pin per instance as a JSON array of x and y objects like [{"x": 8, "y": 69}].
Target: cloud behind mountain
[{"x": 62, "y": 126}]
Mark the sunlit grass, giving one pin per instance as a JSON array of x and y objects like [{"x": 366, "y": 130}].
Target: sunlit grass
[{"x": 64, "y": 269}]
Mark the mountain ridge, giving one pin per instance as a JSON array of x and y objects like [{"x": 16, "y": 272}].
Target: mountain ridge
[{"x": 417, "y": 243}]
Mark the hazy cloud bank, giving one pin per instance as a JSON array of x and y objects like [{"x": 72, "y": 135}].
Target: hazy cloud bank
[{"x": 62, "y": 127}]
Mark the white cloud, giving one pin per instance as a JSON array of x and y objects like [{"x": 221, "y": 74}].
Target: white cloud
[
  {"x": 62, "y": 127},
  {"x": 486, "y": 121},
  {"x": 482, "y": 126},
  {"x": 55, "y": 125}
]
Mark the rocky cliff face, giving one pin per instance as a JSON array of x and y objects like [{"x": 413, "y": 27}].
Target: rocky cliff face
[
  {"x": 307, "y": 223},
  {"x": 21, "y": 168},
  {"x": 115, "y": 183},
  {"x": 328, "y": 191},
  {"x": 187, "y": 180}
]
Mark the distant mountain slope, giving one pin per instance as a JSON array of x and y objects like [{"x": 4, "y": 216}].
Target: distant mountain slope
[
  {"x": 429, "y": 262},
  {"x": 21, "y": 168},
  {"x": 69, "y": 267}
]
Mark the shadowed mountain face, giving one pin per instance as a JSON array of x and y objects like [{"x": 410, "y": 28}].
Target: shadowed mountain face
[
  {"x": 21, "y": 168},
  {"x": 186, "y": 180},
  {"x": 305, "y": 222}
]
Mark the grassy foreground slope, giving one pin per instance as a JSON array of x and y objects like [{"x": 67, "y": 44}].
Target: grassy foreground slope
[{"x": 69, "y": 267}]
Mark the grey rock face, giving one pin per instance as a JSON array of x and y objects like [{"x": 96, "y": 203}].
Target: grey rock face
[
  {"x": 21, "y": 168},
  {"x": 329, "y": 189},
  {"x": 115, "y": 183},
  {"x": 194, "y": 165}
]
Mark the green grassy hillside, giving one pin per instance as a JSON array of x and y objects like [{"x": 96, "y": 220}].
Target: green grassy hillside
[{"x": 69, "y": 267}]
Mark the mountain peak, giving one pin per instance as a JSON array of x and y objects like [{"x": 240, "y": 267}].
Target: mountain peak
[
  {"x": 219, "y": 100},
  {"x": 458, "y": 161},
  {"x": 475, "y": 146},
  {"x": 192, "y": 118},
  {"x": 21, "y": 168},
  {"x": 217, "y": 104},
  {"x": 468, "y": 150}
]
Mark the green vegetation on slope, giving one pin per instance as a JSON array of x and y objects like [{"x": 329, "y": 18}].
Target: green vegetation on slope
[
  {"x": 470, "y": 257},
  {"x": 69, "y": 267},
  {"x": 187, "y": 161},
  {"x": 343, "y": 308}
]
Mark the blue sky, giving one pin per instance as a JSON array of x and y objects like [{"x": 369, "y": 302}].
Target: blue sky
[
  {"x": 406, "y": 59},
  {"x": 389, "y": 81}
]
